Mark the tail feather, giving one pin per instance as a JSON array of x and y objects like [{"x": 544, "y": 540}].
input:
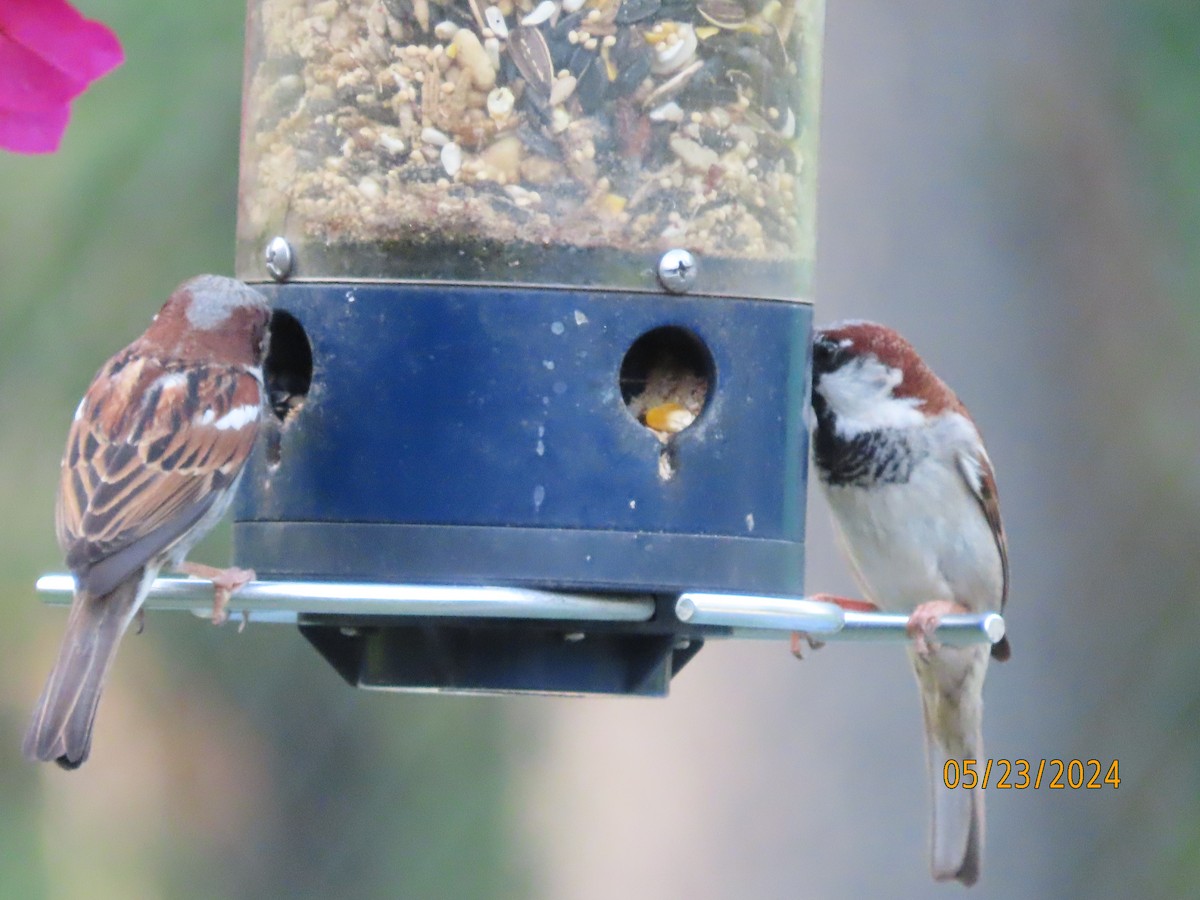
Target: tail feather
[
  {"x": 951, "y": 684},
  {"x": 61, "y": 729}
]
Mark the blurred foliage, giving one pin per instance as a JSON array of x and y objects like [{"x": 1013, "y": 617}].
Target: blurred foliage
[
  {"x": 1155, "y": 85},
  {"x": 224, "y": 765},
  {"x": 1150, "y": 844}
]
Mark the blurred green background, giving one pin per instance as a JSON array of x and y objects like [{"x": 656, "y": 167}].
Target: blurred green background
[{"x": 1015, "y": 186}]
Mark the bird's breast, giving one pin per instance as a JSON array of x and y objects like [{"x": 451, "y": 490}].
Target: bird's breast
[{"x": 923, "y": 539}]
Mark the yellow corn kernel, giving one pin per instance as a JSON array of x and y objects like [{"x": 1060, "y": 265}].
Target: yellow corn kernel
[{"x": 669, "y": 417}]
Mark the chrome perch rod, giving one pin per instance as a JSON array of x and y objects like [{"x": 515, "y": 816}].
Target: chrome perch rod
[
  {"x": 283, "y": 601},
  {"x": 773, "y": 617},
  {"x": 745, "y": 616}
]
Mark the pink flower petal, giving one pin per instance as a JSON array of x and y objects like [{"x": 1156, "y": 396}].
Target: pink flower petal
[
  {"x": 34, "y": 132},
  {"x": 28, "y": 82},
  {"x": 53, "y": 29}
]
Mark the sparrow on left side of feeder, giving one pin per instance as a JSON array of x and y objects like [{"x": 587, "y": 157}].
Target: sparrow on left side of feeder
[
  {"x": 914, "y": 500},
  {"x": 155, "y": 452}
]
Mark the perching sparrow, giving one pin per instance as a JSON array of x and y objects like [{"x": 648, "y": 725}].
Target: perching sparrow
[
  {"x": 914, "y": 501},
  {"x": 153, "y": 458}
]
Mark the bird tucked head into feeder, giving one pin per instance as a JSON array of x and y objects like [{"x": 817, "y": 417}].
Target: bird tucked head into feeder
[{"x": 155, "y": 453}]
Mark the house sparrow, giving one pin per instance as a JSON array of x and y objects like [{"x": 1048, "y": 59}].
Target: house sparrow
[
  {"x": 914, "y": 502},
  {"x": 153, "y": 458}
]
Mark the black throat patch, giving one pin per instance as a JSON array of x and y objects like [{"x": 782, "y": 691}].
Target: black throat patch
[{"x": 883, "y": 456}]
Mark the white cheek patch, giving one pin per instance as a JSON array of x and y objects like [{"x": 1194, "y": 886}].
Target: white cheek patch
[
  {"x": 860, "y": 396},
  {"x": 237, "y": 417}
]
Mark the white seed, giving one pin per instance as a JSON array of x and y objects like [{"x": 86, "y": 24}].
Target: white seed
[
  {"x": 668, "y": 112},
  {"x": 695, "y": 156},
  {"x": 435, "y": 137},
  {"x": 572, "y": 5},
  {"x": 495, "y": 20},
  {"x": 672, "y": 55},
  {"x": 369, "y": 188},
  {"x": 452, "y": 158},
  {"x": 491, "y": 47},
  {"x": 445, "y": 30},
  {"x": 541, "y": 13},
  {"x": 500, "y": 103},
  {"x": 561, "y": 89},
  {"x": 391, "y": 143},
  {"x": 788, "y": 128}
]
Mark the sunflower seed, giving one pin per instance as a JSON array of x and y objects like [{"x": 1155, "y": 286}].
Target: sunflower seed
[
  {"x": 529, "y": 52},
  {"x": 723, "y": 13}
]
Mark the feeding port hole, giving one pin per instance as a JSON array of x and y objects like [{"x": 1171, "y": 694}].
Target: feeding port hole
[
  {"x": 287, "y": 373},
  {"x": 665, "y": 379}
]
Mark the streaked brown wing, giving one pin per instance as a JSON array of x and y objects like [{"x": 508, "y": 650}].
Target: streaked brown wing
[
  {"x": 150, "y": 448},
  {"x": 976, "y": 471}
]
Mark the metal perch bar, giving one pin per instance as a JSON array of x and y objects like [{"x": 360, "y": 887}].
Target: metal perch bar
[
  {"x": 746, "y": 616},
  {"x": 770, "y": 617},
  {"x": 282, "y": 601},
  {"x": 760, "y": 613}
]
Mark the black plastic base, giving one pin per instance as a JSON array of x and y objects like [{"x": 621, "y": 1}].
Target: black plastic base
[{"x": 496, "y": 657}]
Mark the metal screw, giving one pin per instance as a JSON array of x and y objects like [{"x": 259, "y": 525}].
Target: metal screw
[
  {"x": 677, "y": 270},
  {"x": 279, "y": 258}
]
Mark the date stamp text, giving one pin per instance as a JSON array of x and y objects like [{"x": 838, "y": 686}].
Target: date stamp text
[{"x": 1024, "y": 774}]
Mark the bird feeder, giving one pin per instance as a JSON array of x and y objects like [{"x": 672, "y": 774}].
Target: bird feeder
[{"x": 542, "y": 280}]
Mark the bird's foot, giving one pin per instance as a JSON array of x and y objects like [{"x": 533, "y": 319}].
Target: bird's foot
[
  {"x": 924, "y": 620},
  {"x": 225, "y": 583},
  {"x": 799, "y": 638}
]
